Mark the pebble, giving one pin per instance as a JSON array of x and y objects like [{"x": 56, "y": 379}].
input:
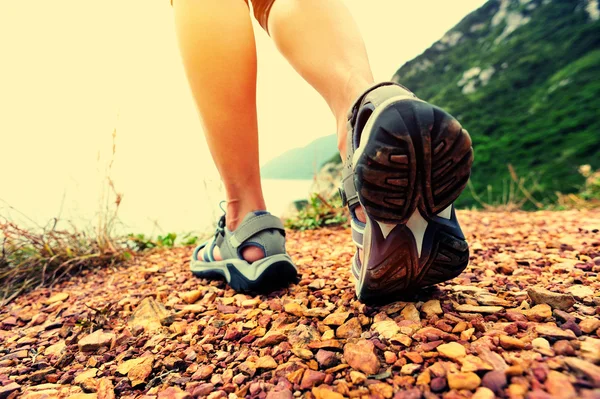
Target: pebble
[
  {"x": 555, "y": 300},
  {"x": 350, "y": 329},
  {"x": 96, "y": 340},
  {"x": 495, "y": 381},
  {"x": 452, "y": 350},
  {"x": 361, "y": 356}
]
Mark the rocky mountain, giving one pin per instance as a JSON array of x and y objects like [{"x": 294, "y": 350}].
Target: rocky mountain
[
  {"x": 301, "y": 163},
  {"x": 523, "y": 77}
]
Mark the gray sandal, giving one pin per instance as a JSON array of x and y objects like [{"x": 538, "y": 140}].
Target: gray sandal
[{"x": 258, "y": 229}]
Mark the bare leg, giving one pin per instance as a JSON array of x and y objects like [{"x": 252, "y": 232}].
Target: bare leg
[
  {"x": 219, "y": 54},
  {"x": 321, "y": 41}
]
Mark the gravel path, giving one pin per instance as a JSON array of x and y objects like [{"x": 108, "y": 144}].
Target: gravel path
[{"x": 523, "y": 321}]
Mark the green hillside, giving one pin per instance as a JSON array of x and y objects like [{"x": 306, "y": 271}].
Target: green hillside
[
  {"x": 522, "y": 76},
  {"x": 301, "y": 163}
]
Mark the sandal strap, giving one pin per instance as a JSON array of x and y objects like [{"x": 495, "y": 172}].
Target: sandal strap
[{"x": 253, "y": 226}]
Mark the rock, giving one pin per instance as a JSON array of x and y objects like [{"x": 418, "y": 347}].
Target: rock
[
  {"x": 474, "y": 363},
  {"x": 190, "y": 297},
  {"x": 548, "y": 330},
  {"x": 312, "y": 378},
  {"x": 302, "y": 353},
  {"x": 467, "y": 381},
  {"x": 105, "y": 389},
  {"x": 173, "y": 393},
  {"x": 410, "y": 369},
  {"x": 325, "y": 393},
  {"x": 203, "y": 390},
  {"x": 509, "y": 343},
  {"x": 432, "y": 308},
  {"x": 150, "y": 315},
  {"x": 386, "y": 328},
  {"x": 590, "y": 349},
  {"x": 589, "y": 325},
  {"x": 350, "y": 329},
  {"x": 357, "y": 377},
  {"x": 591, "y": 371},
  {"x": 60, "y": 297},
  {"x": 85, "y": 375},
  {"x": 410, "y": 312},
  {"x": 495, "y": 381},
  {"x": 96, "y": 340},
  {"x": 540, "y": 343},
  {"x": 266, "y": 362},
  {"x": 559, "y": 386},
  {"x": 452, "y": 350},
  {"x": 205, "y": 371},
  {"x": 492, "y": 358},
  {"x": 478, "y": 309},
  {"x": 317, "y": 312},
  {"x": 326, "y": 344},
  {"x": 294, "y": 308},
  {"x": 336, "y": 319},
  {"x": 563, "y": 348},
  {"x": 317, "y": 284},
  {"x": 555, "y": 300},
  {"x": 137, "y": 370},
  {"x": 325, "y": 358},
  {"x": 271, "y": 338},
  {"x": 483, "y": 393},
  {"x": 56, "y": 349},
  {"x": 302, "y": 335},
  {"x": 7, "y": 390},
  {"x": 361, "y": 356},
  {"x": 283, "y": 394},
  {"x": 381, "y": 389},
  {"x": 538, "y": 312},
  {"x": 401, "y": 339},
  {"x": 438, "y": 384},
  {"x": 580, "y": 291}
]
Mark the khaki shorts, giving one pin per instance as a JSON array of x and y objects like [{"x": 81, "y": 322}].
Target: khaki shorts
[{"x": 261, "y": 11}]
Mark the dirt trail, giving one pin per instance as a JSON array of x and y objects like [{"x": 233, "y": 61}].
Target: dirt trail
[{"x": 523, "y": 321}]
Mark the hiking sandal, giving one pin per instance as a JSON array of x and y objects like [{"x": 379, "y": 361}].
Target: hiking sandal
[
  {"x": 259, "y": 229},
  {"x": 407, "y": 163}
]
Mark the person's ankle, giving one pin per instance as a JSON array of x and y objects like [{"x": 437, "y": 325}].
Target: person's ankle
[{"x": 237, "y": 211}]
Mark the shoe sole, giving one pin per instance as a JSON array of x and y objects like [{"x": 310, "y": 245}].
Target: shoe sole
[
  {"x": 262, "y": 276},
  {"x": 415, "y": 162}
]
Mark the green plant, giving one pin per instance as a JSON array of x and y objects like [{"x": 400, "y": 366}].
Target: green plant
[
  {"x": 589, "y": 194},
  {"x": 318, "y": 213}
]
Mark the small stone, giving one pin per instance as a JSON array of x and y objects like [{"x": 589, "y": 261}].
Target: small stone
[
  {"x": 317, "y": 312},
  {"x": 563, "y": 348},
  {"x": 325, "y": 358},
  {"x": 495, "y": 380},
  {"x": 312, "y": 378},
  {"x": 410, "y": 312},
  {"x": 589, "y": 325},
  {"x": 336, "y": 319},
  {"x": 283, "y": 394},
  {"x": 590, "y": 349},
  {"x": 7, "y": 390},
  {"x": 386, "y": 328},
  {"x": 467, "y": 381},
  {"x": 559, "y": 386},
  {"x": 540, "y": 343},
  {"x": 302, "y": 353},
  {"x": 85, "y": 375},
  {"x": 325, "y": 344},
  {"x": 294, "y": 308},
  {"x": 266, "y": 362},
  {"x": 452, "y": 350},
  {"x": 190, "y": 296},
  {"x": 390, "y": 357},
  {"x": 509, "y": 343},
  {"x": 438, "y": 384},
  {"x": 432, "y": 308},
  {"x": 548, "y": 330},
  {"x": 483, "y": 393},
  {"x": 203, "y": 372},
  {"x": 410, "y": 369},
  {"x": 317, "y": 284},
  {"x": 361, "y": 356},
  {"x": 96, "y": 340},
  {"x": 381, "y": 389},
  {"x": 105, "y": 389},
  {"x": 538, "y": 313},
  {"x": 326, "y": 393},
  {"x": 60, "y": 297},
  {"x": 350, "y": 329},
  {"x": 580, "y": 291},
  {"x": 271, "y": 338},
  {"x": 586, "y": 368},
  {"x": 478, "y": 309},
  {"x": 250, "y": 303},
  {"x": 401, "y": 339},
  {"x": 137, "y": 369},
  {"x": 357, "y": 377},
  {"x": 474, "y": 363},
  {"x": 203, "y": 390},
  {"x": 150, "y": 315},
  {"x": 173, "y": 393},
  {"x": 555, "y": 300},
  {"x": 56, "y": 349}
]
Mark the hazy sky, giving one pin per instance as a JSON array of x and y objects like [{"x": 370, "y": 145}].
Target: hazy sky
[{"x": 72, "y": 70}]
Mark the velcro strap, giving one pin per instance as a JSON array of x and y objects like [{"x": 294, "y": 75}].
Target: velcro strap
[
  {"x": 349, "y": 196},
  {"x": 354, "y": 109},
  {"x": 253, "y": 226}
]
